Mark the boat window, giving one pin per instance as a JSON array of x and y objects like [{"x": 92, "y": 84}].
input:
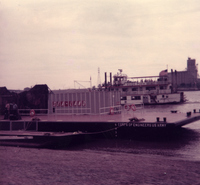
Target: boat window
[
  {"x": 134, "y": 89},
  {"x": 136, "y": 98},
  {"x": 163, "y": 87},
  {"x": 150, "y": 88},
  {"x": 123, "y": 98},
  {"x": 124, "y": 89}
]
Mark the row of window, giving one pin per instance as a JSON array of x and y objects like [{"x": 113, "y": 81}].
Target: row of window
[
  {"x": 139, "y": 97},
  {"x": 132, "y": 98},
  {"x": 140, "y": 88}
]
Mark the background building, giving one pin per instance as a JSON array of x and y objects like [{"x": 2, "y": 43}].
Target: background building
[
  {"x": 34, "y": 98},
  {"x": 187, "y": 78}
]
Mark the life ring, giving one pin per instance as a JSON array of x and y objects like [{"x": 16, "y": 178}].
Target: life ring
[
  {"x": 133, "y": 107},
  {"x": 32, "y": 112},
  {"x": 126, "y": 106},
  {"x": 129, "y": 107},
  {"x": 111, "y": 110}
]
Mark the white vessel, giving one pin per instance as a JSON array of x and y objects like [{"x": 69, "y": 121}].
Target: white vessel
[{"x": 144, "y": 90}]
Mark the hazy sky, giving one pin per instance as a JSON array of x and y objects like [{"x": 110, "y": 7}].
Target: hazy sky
[{"x": 56, "y": 42}]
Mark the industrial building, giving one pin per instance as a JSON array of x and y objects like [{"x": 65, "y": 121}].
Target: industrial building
[{"x": 187, "y": 78}]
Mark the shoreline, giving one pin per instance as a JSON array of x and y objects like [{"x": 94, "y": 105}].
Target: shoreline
[{"x": 89, "y": 166}]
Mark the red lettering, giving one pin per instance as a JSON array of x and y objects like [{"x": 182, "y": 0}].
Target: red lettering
[
  {"x": 70, "y": 103},
  {"x": 62, "y": 103},
  {"x": 57, "y": 104},
  {"x": 74, "y": 103},
  {"x": 79, "y": 103},
  {"x": 66, "y": 103}
]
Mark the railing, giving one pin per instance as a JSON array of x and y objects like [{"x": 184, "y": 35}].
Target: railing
[
  {"x": 135, "y": 83},
  {"x": 110, "y": 110},
  {"x": 72, "y": 111},
  {"x": 138, "y": 92},
  {"x": 26, "y": 112}
]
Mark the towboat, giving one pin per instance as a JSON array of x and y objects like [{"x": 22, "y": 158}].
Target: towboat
[{"x": 146, "y": 90}]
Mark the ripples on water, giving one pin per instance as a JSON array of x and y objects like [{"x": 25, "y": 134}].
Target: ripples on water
[{"x": 106, "y": 161}]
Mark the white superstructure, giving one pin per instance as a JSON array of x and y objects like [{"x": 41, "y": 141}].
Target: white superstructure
[{"x": 147, "y": 90}]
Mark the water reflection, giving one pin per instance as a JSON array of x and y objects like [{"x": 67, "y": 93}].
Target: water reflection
[{"x": 185, "y": 143}]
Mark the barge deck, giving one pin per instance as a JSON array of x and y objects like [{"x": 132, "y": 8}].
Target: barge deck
[{"x": 53, "y": 131}]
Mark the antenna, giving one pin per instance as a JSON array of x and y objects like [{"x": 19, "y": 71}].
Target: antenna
[{"x": 99, "y": 78}]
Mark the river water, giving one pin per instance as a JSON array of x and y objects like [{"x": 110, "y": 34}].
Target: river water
[{"x": 112, "y": 161}]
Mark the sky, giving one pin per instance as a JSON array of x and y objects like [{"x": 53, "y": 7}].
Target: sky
[{"x": 58, "y": 42}]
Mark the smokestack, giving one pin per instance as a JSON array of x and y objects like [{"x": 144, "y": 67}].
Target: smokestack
[
  {"x": 175, "y": 81},
  {"x": 105, "y": 80},
  {"x": 110, "y": 78},
  {"x": 172, "y": 80}
]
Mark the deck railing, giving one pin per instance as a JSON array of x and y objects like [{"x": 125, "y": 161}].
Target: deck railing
[
  {"x": 26, "y": 112},
  {"x": 111, "y": 110}
]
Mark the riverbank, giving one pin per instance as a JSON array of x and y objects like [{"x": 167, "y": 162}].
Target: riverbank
[{"x": 32, "y": 166}]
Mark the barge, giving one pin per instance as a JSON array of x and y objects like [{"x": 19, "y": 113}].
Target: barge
[{"x": 57, "y": 131}]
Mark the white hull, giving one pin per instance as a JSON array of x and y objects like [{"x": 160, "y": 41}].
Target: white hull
[{"x": 151, "y": 99}]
